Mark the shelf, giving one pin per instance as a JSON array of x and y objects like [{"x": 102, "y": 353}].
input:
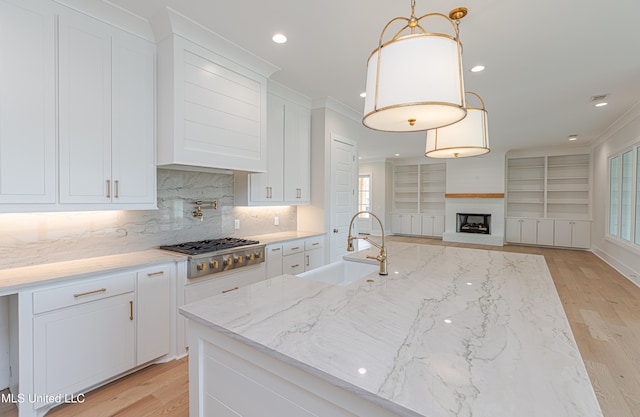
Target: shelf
[{"x": 525, "y": 202}]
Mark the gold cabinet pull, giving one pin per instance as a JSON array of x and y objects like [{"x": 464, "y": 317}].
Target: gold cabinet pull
[
  {"x": 108, "y": 188},
  {"x": 117, "y": 188},
  {"x": 82, "y": 294},
  {"x": 131, "y": 310},
  {"x": 295, "y": 266},
  {"x": 232, "y": 289},
  {"x": 153, "y": 274}
]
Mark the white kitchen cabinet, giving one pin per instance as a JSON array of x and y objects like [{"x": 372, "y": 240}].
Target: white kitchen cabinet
[
  {"x": 153, "y": 312},
  {"x": 268, "y": 187},
  {"x": 86, "y": 336},
  {"x": 27, "y": 103},
  {"x": 295, "y": 256},
  {"x": 287, "y": 180},
  {"x": 106, "y": 90},
  {"x": 529, "y": 231},
  {"x": 544, "y": 231},
  {"x": 521, "y": 231},
  {"x": 274, "y": 260},
  {"x": 297, "y": 154},
  {"x": 572, "y": 233},
  {"x": 313, "y": 253},
  {"x": 212, "y": 101},
  {"x": 432, "y": 225},
  {"x": 406, "y": 224}
]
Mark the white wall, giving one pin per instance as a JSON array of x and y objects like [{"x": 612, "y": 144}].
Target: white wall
[
  {"x": 478, "y": 174},
  {"x": 619, "y": 136}
]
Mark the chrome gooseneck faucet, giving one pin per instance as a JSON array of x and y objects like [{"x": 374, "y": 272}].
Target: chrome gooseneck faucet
[{"x": 382, "y": 257}]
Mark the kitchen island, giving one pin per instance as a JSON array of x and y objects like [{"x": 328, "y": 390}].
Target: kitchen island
[{"x": 449, "y": 332}]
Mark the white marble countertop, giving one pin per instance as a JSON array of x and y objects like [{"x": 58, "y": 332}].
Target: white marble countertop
[
  {"x": 13, "y": 279},
  {"x": 279, "y": 237},
  {"x": 450, "y": 332}
]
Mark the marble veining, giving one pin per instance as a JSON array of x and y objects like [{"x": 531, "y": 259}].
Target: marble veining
[
  {"x": 39, "y": 238},
  {"x": 450, "y": 332}
]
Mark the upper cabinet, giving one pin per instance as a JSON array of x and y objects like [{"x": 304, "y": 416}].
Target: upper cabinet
[
  {"x": 103, "y": 106},
  {"x": 212, "y": 101},
  {"x": 288, "y": 177},
  {"x": 106, "y": 115},
  {"x": 27, "y": 104}
]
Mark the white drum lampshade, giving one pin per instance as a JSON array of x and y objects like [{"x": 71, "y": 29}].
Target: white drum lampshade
[
  {"x": 414, "y": 81},
  {"x": 468, "y": 137}
]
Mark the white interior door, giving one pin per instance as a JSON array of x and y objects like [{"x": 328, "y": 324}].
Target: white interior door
[{"x": 344, "y": 178}]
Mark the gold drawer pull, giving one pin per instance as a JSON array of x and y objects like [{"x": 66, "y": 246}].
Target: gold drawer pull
[
  {"x": 131, "y": 310},
  {"x": 296, "y": 248},
  {"x": 315, "y": 244},
  {"x": 82, "y": 294},
  {"x": 153, "y": 274},
  {"x": 295, "y": 266},
  {"x": 108, "y": 188},
  {"x": 117, "y": 188},
  {"x": 232, "y": 289},
  {"x": 275, "y": 249}
]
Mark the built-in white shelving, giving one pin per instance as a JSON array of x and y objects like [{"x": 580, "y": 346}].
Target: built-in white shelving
[{"x": 545, "y": 189}]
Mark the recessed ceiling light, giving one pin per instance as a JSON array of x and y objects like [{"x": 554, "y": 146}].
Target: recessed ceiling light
[
  {"x": 279, "y": 38},
  {"x": 573, "y": 137},
  {"x": 362, "y": 371},
  {"x": 397, "y": 154},
  {"x": 477, "y": 68},
  {"x": 448, "y": 321},
  {"x": 363, "y": 95},
  {"x": 601, "y": 104}
]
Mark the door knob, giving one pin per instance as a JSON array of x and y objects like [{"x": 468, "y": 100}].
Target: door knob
[{"x": 335, "y": 230}]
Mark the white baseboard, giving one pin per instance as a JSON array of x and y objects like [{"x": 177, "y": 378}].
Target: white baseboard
[{"x": 623, "y": 269}]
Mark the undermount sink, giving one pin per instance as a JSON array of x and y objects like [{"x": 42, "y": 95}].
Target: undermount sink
[{"x": 340, "y": 272}]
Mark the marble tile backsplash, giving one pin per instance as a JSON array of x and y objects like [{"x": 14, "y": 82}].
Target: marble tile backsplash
[{"x": 36, "y": 238}]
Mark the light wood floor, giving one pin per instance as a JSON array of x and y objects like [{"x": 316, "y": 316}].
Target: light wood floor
[{"x": 602, "y": 306}]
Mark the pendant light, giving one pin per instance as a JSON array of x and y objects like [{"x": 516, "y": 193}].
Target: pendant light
[
  {"x": 414, "y": 80},
  {"x": 468, "y": 137}
]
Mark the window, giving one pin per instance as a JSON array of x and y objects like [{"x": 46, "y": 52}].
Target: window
[
  {"x": 364, "y": 193},
  {"x": 624, "y": 196},
  {"x": 614, "y": 181}
]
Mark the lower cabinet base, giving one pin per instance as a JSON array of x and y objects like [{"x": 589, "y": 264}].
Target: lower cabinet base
[{"x": 228, "y": 378}]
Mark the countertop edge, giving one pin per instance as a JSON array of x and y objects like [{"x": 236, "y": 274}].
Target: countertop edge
[
  {"x": 281, "y": 237},
  {"x": 15, "y": 279}
]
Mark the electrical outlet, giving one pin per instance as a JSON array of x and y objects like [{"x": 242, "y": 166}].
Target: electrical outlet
[
  {"x": 276, "y": 221},
  {"x": 236, "y": 224}
]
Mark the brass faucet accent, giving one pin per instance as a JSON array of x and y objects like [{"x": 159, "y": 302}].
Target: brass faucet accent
[{"x": 382, "y": 257}]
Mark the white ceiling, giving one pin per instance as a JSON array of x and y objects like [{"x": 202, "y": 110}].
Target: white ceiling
[{"x": 544, "y": 59}]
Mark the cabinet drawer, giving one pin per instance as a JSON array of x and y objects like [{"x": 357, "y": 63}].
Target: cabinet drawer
[
  {"x": 294, "y": 246},
  {"x": 293, "y": 264},
  {"x": 274, "y": 251},
  {"x": 314, "y": 243},
  {"x": 231, "y": 282},
  {"x": 82, "y": 292}
]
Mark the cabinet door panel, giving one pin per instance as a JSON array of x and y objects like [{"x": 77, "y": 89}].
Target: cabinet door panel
[
  {"x": 529, "y": 231},
  {"x": 438, "y": 225},
  {"x": 545, "y": 232},
  {"x": 85, "y": 110},
  {"x": 153, "y": 313},
  {"x": 581, "y": 234},
  {"x": 77, "y": 347},
  {"x": 27, "y": 104},
  {"x": 313, "y": 259},
  {"x": 274, "y": 260},
  {"x": 512, "y": 233},
  {"x": 562, "y": 233},
  {"x": 133, "y": 145},
  {"x": 296, "y": 154},
  {"x": 396, "y": 223}
]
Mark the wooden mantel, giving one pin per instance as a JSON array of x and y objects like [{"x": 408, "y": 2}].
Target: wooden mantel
[{"x": 485, "y": 195}]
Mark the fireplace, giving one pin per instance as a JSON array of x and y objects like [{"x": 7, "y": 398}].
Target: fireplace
[{"x": 473, "y": 223}]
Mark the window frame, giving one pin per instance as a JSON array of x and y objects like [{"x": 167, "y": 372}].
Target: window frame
[{"x": 634, "y": 210}]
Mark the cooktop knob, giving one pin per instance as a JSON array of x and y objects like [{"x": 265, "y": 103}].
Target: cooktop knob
[{"x": 201, "y": 267}]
